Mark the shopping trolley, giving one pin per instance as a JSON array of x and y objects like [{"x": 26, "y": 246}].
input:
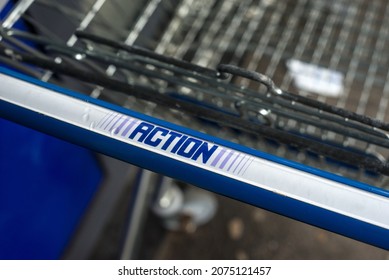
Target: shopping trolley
[{"x": 208, "y": 97}]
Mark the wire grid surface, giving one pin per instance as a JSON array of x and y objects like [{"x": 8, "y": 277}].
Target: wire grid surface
[
  {"x": 349, "y": 37},
  {"x": 346, "y": 36}
]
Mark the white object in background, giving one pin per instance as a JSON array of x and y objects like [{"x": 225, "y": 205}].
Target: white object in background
[
  {"x": 170, "y": 199},
  {"x": 184, "y": 209},
  {"x": 315, "y": 79}
]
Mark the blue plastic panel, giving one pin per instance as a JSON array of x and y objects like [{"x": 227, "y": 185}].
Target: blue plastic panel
[{"x": 45, "y": 186}]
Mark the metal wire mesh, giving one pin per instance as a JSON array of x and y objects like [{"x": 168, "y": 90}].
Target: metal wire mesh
[{"x": 345, "y": 39}]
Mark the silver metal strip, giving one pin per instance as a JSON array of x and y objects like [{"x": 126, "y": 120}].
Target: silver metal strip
[
  {"x": 204, "y": 50},
  {"x": 132, "y": 36},
  {"x": 142, "y": 21},
  {"x": 188, "y": 41},
  {"x": 265, "y": 38},
  {"x": 324, "y": 41},
  {"x": 84, "y": 24},
  {"x": 87, "y": 20},
  {"x": 321, "y": 192},
  {"x": 379, "y": 49},
  {"x": 17, "y": 12},
  {"x": 231, "y": 30},
  {"x": 284, "y": 38},
  {"x": 256, "y": 14},
  {"x": 303, "y": 43},
  {"x": 366, "y": 28}
]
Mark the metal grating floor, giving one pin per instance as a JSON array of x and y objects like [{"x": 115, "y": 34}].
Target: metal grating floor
[
  {"x": 349, "y": 37},
  {"x": 346, "y": 36}
]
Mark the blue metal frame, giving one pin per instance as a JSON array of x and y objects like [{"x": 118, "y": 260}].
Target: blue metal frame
[{"x": 206, "y": 179}]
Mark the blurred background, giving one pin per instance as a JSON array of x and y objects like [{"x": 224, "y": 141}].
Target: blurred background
[
  {"x": 237, "y": 231},
  {"x": 72, "y": 203}
]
